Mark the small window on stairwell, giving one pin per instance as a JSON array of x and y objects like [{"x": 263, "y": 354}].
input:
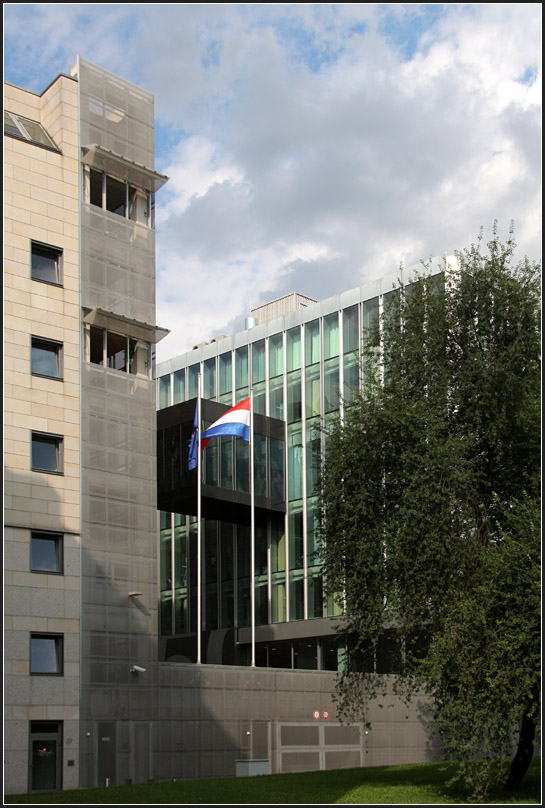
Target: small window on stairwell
[
  {"x": 118, "y": 196},
  {"x": 117, "y": 351}
]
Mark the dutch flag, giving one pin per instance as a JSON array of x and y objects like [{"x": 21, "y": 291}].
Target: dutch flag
[{"x": 235, "y": 421}]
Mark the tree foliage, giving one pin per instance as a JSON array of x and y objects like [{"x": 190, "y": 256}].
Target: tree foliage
[{"x": 430, "y": 506}]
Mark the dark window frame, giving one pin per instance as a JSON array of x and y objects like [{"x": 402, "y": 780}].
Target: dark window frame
[
  {"x": 47, "y": 251},
  {"x": 47, "y": 437},
  {"x": 44, "y": 343},
  {"x": 46, "y": 535},
  {"x": 59, "y": 652}
]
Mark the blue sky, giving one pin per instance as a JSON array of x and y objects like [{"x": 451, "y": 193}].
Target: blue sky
[{"x": 311, "y": 147}]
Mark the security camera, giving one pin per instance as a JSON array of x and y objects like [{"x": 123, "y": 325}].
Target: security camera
[{"x": 137, "y": 669}]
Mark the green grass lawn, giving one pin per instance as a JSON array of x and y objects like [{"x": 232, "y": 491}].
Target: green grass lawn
[{"x": 400, "y": 785}]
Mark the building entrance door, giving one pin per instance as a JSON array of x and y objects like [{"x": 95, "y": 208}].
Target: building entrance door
[
  {"x": 107, "y": 746},
  {"x": 45, "y": 755}
]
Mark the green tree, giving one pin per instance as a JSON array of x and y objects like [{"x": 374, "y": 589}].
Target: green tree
[{"x": 430, "y": 508}]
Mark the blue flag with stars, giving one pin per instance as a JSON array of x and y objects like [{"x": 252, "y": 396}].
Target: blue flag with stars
[{"x": 194, "y": 442}]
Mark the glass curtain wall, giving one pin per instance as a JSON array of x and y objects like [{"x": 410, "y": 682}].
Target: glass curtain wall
[{"x": 301, "y": 376}]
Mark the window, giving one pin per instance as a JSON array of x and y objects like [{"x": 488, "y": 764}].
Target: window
[
  {"x": 26, "y": 129},
  {"x": 46, "y": 358},
  {"x": 46, "y": 264},
  {"x": 164, "y": 391},
  {"x": 209, "y": 378},
  {"x": 46, "y": 552},
  {"x": 118, "y": 196},
  {"x": 117, "y": 351},
  {"x": 46, "y": 654},
  {"x": 178, "y": 379},
  {"x": 47, "y": 453}
]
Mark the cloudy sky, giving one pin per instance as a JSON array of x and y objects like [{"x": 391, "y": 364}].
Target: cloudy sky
[{"x": 311, "y": 147}]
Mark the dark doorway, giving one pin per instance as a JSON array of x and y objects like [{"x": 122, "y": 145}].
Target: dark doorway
[
  {"x": 107, "y": 769},
  {"x": 45, "y": 756}
]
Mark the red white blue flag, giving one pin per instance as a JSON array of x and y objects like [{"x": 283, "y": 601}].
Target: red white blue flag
[{"x": 235, "y": 421}]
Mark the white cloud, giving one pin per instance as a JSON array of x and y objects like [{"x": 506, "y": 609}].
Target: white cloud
[
  {"x": 313, "y": 146},
  {"x": 197, "y": 165}
]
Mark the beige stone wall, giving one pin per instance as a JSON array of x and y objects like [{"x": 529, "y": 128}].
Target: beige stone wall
[{"x": 41, "y": 196}]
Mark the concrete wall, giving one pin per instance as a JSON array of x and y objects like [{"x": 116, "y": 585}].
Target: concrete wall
[{"x": 210, "y": 717}]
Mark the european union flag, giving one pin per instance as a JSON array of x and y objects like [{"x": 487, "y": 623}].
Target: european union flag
[{"x": 194, "y": 442}]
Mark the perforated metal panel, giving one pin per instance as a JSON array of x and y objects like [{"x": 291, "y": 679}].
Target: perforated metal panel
[
  {"x": 318, "y": 746},
  {"x": 116, "y": 114},
  {"x": 119, "y": 516},
  {"x": 118, "y": 264}
]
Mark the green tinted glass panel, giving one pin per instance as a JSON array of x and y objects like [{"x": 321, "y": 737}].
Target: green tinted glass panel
[
  {"x": 276, "y": 352},
  {"x": 312, "y": 391},
  {"x": 312, "y": 342},
  {"x": 295, "y": 462},
  {"x": 294, "y": 396},
  {"x": 370, "y": 313},
  {"x": 293, "y": 340},
  {"x": 276, "y": 397},
  {"x": 331, "y": 385},
  {"x": 351, "y": 334},
  {"x": 164, "y": 391},
  {"x": 295, "y": 530},
  {"x": 209, "y": 378},
  {"x": 260, "y": 398},
  {"x": 193, "y": 380},
  {"x": 313, "y": 452},
  {"x": 179, "y": 385},
  {"x": 258, "y": 361},
  {"x": 331, "y": 335},
  {"x": 225, "y": 373},
  {"x": 351, "y": 377},
  {"x": 241, "y": 372}
]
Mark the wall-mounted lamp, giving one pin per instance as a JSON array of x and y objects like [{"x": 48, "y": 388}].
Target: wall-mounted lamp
[{"x": 134, "y": 594}]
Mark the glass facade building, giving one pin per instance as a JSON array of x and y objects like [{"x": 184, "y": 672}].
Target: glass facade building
[{"x": 303, "y": 368}]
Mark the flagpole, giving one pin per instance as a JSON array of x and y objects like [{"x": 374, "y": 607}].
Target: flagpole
[
  {"x": 252, "y": 526},
  {"x": 199, "y": 550}
]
